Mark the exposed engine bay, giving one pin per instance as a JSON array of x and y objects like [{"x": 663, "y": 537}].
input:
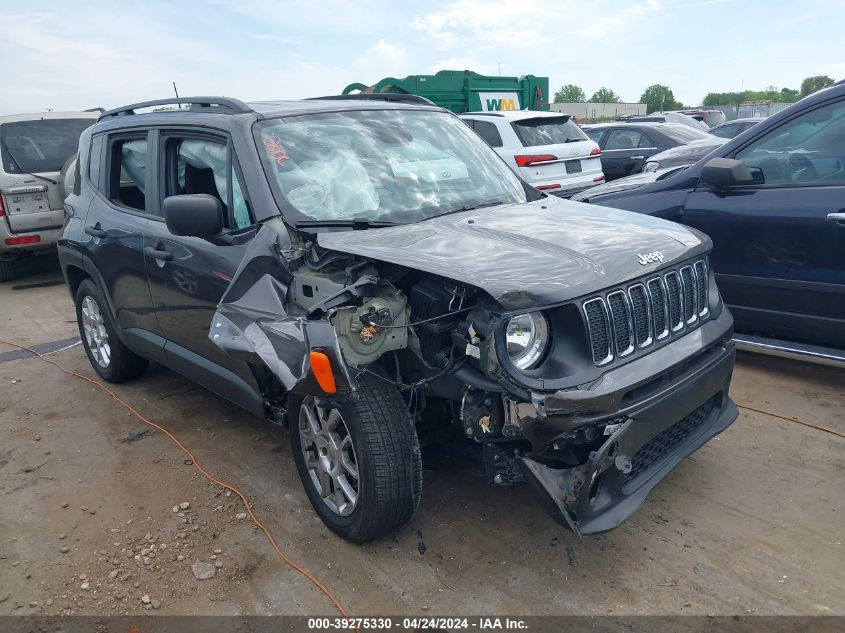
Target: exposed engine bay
[{"x": 427, "y": 334}]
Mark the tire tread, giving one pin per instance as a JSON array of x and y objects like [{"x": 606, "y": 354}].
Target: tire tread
[{"x": 395, "y": 450}]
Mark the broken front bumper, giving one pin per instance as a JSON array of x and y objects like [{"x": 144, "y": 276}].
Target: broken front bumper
[{"x": 666, "y": 419}]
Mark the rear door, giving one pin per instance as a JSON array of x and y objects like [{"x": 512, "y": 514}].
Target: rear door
[
  {"x": 118, "y": 215},
  {"x": 554, "y": 149},
  {"x": 779, "y": 246},
  {"x": 624, "y": 152},
  {"x": 188, "y": 275}
]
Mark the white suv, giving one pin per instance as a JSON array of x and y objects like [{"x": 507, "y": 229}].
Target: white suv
[
  {"x": 547, "y": 149},
  {"x": 36, "y": 152}
]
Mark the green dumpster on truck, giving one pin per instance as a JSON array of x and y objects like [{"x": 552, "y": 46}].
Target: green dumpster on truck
[{"x": 466, "y": 91}]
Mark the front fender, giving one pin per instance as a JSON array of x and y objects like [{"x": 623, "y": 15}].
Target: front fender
[{"x": 253, "y": 322}]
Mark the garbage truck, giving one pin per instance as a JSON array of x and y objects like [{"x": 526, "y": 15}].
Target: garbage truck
[{"x": 467, "y": 91}]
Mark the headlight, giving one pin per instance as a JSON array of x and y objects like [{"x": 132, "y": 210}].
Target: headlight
[
  {"x": 650, "y": 167},
  {"x": 527, "y": 337}
]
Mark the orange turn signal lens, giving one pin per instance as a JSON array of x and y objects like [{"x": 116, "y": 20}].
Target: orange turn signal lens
[{"x": 322, "y": 369}]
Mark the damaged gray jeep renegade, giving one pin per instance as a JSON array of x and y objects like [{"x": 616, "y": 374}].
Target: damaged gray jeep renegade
[{"x": 361, "y": 269}]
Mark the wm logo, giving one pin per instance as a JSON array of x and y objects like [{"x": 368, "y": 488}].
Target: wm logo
[{"x": 501, "y": 104}]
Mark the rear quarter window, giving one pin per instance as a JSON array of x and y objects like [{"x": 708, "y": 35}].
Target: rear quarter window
[
  {"x": 548, "y": 131},
  {"x": 41, "y": 145},
  {"x": 95, "y": 160},
  {"x": 489, "y": 133},
  {"x": 595, "y": 135}
]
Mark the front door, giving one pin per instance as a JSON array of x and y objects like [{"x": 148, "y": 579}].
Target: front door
[
  {"x": 779, "y": 249},
  {"x": 188, "y": 275}
]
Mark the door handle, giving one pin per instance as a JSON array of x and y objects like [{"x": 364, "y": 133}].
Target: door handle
[
  {"x": 637, "y": 157},
  {"x": 95, "y": 231},
  {"x": 157, "y": 253},
  {"x": 837, "y": 218}
]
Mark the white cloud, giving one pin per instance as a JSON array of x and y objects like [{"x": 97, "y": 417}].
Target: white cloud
[{"x": 489, "y": 24}]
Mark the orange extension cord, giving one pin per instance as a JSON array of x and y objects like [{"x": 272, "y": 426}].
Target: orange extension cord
[{"x": 202, "y": 471}]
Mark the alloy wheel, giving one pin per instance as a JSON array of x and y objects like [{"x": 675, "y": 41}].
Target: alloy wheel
[
  {"x": 96, "y": 335},
  {"x": 329, "y": 456}
]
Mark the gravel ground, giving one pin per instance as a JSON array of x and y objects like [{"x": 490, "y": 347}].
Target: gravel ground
[{"x": 91, "y": 521}]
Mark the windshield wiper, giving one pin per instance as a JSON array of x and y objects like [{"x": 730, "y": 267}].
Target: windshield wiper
[
  {"x": 356, "y": 224},
  {"x": 469, "y": 207}
]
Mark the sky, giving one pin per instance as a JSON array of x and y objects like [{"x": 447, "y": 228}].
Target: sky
[{"x": 77, "y": 55}]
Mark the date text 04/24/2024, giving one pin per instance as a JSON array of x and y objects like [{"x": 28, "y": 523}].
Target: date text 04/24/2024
[{"x": 416, "y": 623}]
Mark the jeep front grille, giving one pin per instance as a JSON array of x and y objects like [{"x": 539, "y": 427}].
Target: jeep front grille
[{"x": 626, "y": 319}]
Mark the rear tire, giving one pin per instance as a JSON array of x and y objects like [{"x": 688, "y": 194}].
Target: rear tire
[
  {"x": 370, "y": 434},
  {"x": 7, "y": 271},
  {"x": 109, "y": 357}
]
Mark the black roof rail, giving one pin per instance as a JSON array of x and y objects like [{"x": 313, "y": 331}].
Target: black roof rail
[
  {"x": 398, "y": 97},
  {"x": 216, "y": 105}
]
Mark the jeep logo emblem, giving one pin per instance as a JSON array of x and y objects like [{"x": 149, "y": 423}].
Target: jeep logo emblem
[{"x": 650, "y": 258}]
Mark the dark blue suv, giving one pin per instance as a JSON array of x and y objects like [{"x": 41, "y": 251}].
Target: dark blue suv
[{"x": 773, "y": 202}]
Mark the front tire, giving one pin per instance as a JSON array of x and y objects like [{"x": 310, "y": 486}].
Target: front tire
[
  {"x": 109, "y": 357},
  {"x": 359, "y": 460}
]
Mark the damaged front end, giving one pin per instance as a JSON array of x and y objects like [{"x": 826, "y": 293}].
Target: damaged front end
[
  {"x": 602, "y": 446},
  {"x": 592, "y": 438}
]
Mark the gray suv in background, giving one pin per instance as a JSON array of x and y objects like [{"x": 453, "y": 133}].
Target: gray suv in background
[{"x": 36, "y": 153}]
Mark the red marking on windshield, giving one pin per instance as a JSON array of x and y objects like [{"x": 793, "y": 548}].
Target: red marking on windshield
[{"x": 274, "y": 146}]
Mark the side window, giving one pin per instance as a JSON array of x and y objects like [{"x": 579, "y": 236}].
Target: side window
[
  {"x": 128, "y": 173},
  {"x": 809, "y": 149},
  {"x": 595, "y": 135},
  {"x": 623, "y": 139},
  {"x": 489, "y": 133},
  {"x": 202, "y": 165}
]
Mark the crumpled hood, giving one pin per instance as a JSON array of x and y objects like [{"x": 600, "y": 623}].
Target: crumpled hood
[{"x": 528, "y": 255}]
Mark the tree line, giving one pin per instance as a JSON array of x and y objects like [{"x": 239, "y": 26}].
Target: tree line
[{"x": 659, "y": 97}]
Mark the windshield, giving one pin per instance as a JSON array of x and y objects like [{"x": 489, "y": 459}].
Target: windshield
[
  {"x": 547, "y": 131},
  {"x": 40, "y": 146},
  {"x": 683, "y": 133},
  {"x": 381, "y": 165}
]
